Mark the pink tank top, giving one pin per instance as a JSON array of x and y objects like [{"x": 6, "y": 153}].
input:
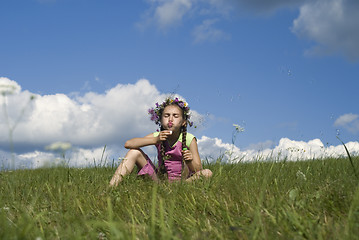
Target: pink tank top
[{"x": 173, "y": 161}]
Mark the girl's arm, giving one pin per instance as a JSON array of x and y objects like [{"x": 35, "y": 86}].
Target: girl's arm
[
  {"x": 194, "y": 163},
  {"x": 136, "y": 143},
  {"x": 192, "y": 158}
]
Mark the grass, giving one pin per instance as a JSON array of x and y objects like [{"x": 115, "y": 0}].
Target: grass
[{"x": 316, "y": 199}]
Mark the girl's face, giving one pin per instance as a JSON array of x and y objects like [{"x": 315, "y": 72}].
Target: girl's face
[{"x": 172, "y": 118}]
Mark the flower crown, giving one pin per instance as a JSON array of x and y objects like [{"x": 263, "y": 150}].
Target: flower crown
[{"x": 157, "y": 111}]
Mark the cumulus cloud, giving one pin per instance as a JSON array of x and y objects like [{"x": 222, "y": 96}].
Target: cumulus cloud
[
  {"x": 262, "y": 145},
  {"x": 89, "y": 121},
  {"x": 76, "y": 130},
  {"x": 207, "y": 32},
  {"x": 332, "y": 24},
  {"x": 210, "y": 149},
  {"x": 169, "y": 14},
  {"x": 172, "y": 13},
  {"x": 349, "y": 121},
  {"x": 77, "y": 127},
  {"x": 76, "y": 157},
  {"x": 165, "y": 14},
  {"x": 213, "y": 148}
]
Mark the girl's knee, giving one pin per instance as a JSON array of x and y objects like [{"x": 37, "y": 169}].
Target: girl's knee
[
  {"x": 138, "y": 156},
  {"x": 206, "y": 173},
  {"x": 134, "y": 153}
]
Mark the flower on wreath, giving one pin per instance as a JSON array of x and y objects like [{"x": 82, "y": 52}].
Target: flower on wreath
[{"x": 156, "y": 112}]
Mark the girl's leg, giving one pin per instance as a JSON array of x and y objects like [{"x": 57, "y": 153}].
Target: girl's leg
[{"x": 133, "y": 156}]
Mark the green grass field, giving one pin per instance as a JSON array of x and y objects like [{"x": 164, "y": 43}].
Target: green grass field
[{"x": 316, "y": 199}]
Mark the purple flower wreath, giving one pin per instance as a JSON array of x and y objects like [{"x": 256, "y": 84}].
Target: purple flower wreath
[{"x": 156, "y": 112}]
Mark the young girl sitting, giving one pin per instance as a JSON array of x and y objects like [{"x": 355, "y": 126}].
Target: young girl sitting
[{"x": 178, "y": 156}]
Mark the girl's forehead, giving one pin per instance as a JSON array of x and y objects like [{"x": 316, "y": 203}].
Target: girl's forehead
[{"x": 172, "y": 109}]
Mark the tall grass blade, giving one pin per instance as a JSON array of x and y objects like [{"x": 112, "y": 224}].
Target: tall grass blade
[
  {"x": 350, "y": 158},
  {"x": 153, "y": 212}
]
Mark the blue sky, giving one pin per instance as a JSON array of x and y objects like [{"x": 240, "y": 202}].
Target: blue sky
[{"x": 281, "y": 69}]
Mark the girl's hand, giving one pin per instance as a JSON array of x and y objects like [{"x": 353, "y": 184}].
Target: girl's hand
[
  {"x": 187, "y": 155},
  {"x": 163, "y": 135}
]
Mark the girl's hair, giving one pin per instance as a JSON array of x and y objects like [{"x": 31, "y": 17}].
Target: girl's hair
[
  {"x": 156, "y": 114},
  {"x": 157, "y": 111},
  {"x": 184, "y": 145}
]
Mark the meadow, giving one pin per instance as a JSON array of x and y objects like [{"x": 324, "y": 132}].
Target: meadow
[{"x": 316, "y": 199}]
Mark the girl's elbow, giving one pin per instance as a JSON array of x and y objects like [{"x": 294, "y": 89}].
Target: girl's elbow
[{"x": 127, "y": 145}]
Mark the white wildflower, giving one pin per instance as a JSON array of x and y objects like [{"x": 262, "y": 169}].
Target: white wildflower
[
  {"x": 238, "y": 128},
  {"x": 59, "y": 146},
  {"x": 5, "y": 208},
  {"x": 102, "y": 236},
  {"x": 301, "y": 175}
]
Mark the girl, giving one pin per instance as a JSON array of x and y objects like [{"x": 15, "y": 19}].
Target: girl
[{"x": 178, "y": 155}]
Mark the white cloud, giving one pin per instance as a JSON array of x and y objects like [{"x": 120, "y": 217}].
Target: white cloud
[
  {"x": 209, "y": 148},
  {"x": 35, "y": 159},
  {"x": 170, "y": 13},
  {"x": 346, "y": 119},
  {"x": 213, "y": 148},
  {"x": 165, "y": 14},
  {"x": 207, "y": 32},
  {"x": 261, "y": 145},
  {"x": 333, "y": 24},
  {"x": 91, "y": 120},
  {"x": 349, "y": 121},
  {"x": 74, "y": 158}
]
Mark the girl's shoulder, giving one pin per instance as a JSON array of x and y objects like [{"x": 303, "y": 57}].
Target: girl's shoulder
[{"x": 189, "y": 138}]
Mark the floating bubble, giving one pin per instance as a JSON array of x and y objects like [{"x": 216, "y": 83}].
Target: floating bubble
[{"x": 286, "y": 70}]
